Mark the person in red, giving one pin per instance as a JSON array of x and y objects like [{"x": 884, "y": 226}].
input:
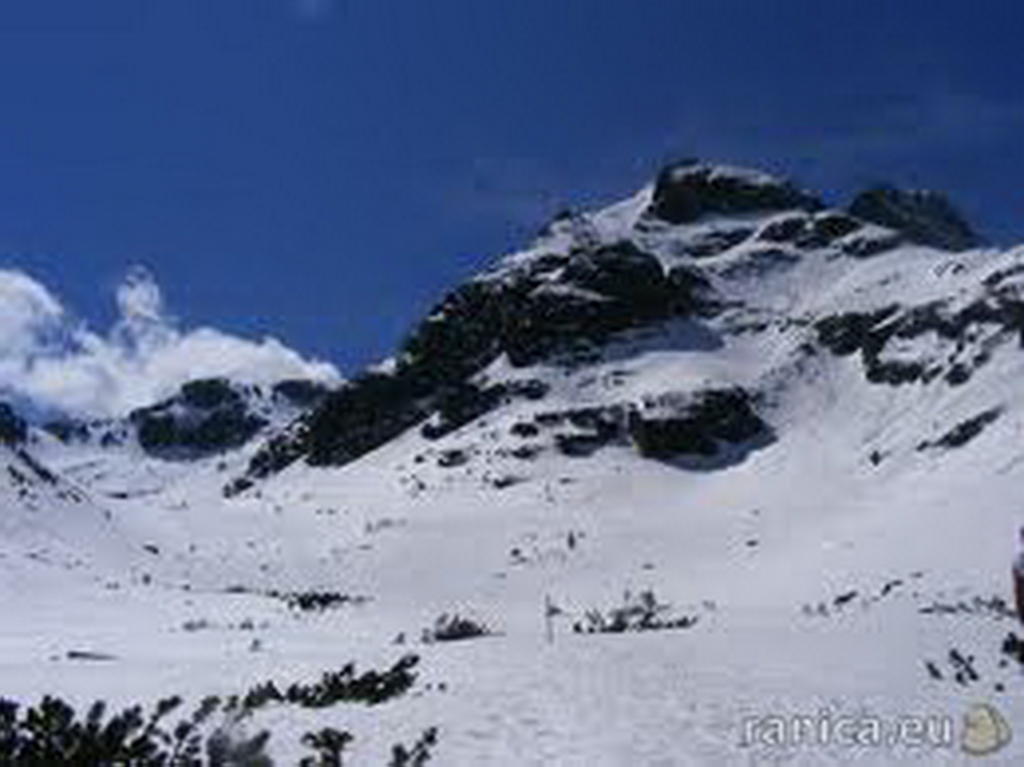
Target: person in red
[{"x": 1018, "y": 578}]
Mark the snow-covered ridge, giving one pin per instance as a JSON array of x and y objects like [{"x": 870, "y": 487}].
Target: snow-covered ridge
[{"x": 720, "y": 250}]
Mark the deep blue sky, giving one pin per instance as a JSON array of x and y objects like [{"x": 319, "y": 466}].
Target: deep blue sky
[{"x": 324, "y": 170}]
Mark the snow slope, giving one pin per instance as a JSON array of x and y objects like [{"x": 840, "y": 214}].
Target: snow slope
[{"x": 861, "y": 534}]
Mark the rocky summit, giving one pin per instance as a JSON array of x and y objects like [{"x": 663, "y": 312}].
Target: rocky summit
[{"x": 708, "y": 254}]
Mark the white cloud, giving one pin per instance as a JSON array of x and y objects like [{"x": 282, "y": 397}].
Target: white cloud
[{"x": 58, "y": 363}]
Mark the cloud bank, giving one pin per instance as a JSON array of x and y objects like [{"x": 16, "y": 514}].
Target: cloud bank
[{"x": 58, "y": 363}]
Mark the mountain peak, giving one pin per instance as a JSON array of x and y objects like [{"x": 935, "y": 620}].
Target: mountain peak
[
  {"x": 923, "y": 217},
  {"x": 686, "y": 190}
]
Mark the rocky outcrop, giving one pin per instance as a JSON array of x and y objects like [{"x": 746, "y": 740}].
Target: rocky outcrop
[
  {"x": 964, "y": 431},
  {"x": 689, "y": 189},
  {"x": 300, "y": 392},
  {"x": 925, "y": 218},
  {"x": 697, "y": 423},
  {"x": 593, "y": 276},
  {"x": 551, "y": 304},
  {"x": 701, "y": 423},
  {"x": 807, "y": 231},
  {"x": 465, "y": 402},
  {"x": 972, "y": 330},
  {"x": 13, "y": 429},
  {"x": 206, "y": 416},
  {"x": 547, "y": 305}
]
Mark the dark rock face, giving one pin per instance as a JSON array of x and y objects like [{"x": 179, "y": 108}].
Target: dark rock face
[
  {"x": 869, "y": 333},
  {"x": 695, "y": 424},
  {"x": 621, "y": 271},
  {"x": 761, "y": 261},
  {"x": 713, "y": 243},
  {"x": 844, "y": 334},
  {"x": 926, "y": 218},
  {"x": 465, "y": 402},
  {"x": 13, "y": 429},
  {"x": 686, "y": 191},
  {"x": 964, "y": 431},
  {"x": 363, "y": 415},
  {"x": 301, "y": 392},
  {"x": 206, "y": 416},
  {"x": 675, "y": 424},
  {"x": 68, "y": 431},
  {"x": 810, "y": 231},
  {"x": 529, "y": 315},
  {"x": 691, "y": 293},
  {"x": 552, "y": 304},
  {"x": 208, "y": 393}
]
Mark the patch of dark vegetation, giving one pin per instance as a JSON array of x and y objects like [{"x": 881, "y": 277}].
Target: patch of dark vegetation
[
  {"x": 992, "y": 607},
  {"x": 845, "y": 597},
  {"x": 523, "y": 429},
  {"x": 53, "y": 734},
  {"x": 961, "y": 666},
  {"x": 449, "y": 459},
  {"x": 642, "y": 612},
  {"x": 503, "y": 481},
  {"x": 579, "y": 445},
  {"x": 1013, "y": 646},
  {"x": 316, "y": 601},
  {"x": 420, "y": 752},
  {"x": 89, "y": 655},
  {"x": 452, "y": 627},
  {"x": 344, "y": 686},
  {"x": 526, "y": 452},
  {"x": 964, "y": 431}
]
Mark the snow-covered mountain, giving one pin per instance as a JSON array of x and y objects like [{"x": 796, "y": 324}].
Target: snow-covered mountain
[{"x": 788, "y": 429}]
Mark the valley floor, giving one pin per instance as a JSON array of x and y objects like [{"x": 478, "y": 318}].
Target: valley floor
[{"x": 827, "y": 602}]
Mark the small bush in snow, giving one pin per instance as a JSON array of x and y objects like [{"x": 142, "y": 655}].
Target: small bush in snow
[
  {"x": 418, "y": 755},
  {"x": 452, "y": 627},
  {"x": 315, "y": 601},
  {"x": 642, "y": 612},
  {"x": 53, "y": 734}
]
